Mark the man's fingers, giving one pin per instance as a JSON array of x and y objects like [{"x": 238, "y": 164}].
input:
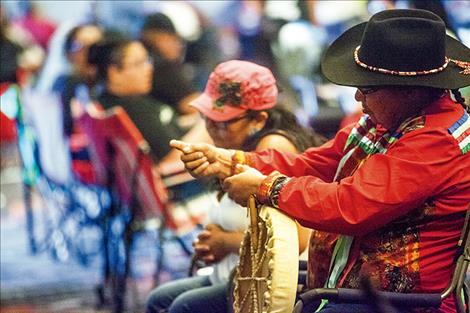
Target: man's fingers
[
  {"x": 209, "y": 258},
  {"x": 240, "y": 168},
  {"x": 191, "y": 156},
  {"x": 204, "y": 235},
  {"x": 227, "y": 183},
  {"x": 199, "y": 170},
  {"x": 180, "y": 145},
  {"x": 188, "y": 147},
  {"x": 200, "y": 249},
  {"x": 194, "y": 164}
]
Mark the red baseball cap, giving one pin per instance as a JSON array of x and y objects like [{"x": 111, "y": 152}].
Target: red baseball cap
[{"x": 235, "y": 87}]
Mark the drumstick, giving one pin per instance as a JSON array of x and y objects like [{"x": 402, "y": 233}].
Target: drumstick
[{"x": 253, "y": 211}]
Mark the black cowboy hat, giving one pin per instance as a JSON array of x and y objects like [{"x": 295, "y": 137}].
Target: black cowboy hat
[{"x": 400, "y": 48}]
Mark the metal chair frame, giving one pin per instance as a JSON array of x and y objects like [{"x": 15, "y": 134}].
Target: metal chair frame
[{"x": 138, "y": 191}]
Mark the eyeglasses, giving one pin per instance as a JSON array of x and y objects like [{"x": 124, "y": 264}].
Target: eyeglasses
[
  {"x": 367, "y": 91},
  {"x": 77, "y": 46},
  {"x": 138, "y": 63},
  {"x": 223, "y": 125}
]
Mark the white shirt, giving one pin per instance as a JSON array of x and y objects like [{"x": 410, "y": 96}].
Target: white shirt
[{"x": 231, "y": 217}]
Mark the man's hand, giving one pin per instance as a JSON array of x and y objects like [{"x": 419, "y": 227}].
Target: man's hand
[
  {"x": 204, "y": 160},
  {"x": 239, "y": 187}
]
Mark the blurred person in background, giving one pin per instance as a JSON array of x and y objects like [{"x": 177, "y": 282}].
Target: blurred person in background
[
  {"x": 76, "y": 46},
  {"x": 18, "y": 38},
  {"x": 171, "y": 84},
  {"x": 240, "y": 110},
  {"x": 8, "y": 75},
  {"x": 39, "y": 27},
  {"x": 125, "y": 68},
  {"x": 10, "y": 53}
]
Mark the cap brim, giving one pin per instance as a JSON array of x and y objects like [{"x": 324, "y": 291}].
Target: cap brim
[
  {"x": 339, "y": 67},
  {"x": 204, "y": 104}
]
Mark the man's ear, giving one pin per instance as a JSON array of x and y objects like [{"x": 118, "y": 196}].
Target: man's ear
[
  {"x": 262, "y": 116},
  {"x": 261, "y": 119}
]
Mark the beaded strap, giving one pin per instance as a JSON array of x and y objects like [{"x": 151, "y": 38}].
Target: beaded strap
[
  {"x": 264, "y": 190},
  {"x": 276, "y": 189},
  {"x": 461, "y": 64},
  {"x": 237, "y": 158}
]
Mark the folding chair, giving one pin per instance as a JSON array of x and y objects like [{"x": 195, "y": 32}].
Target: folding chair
[
  {"x": 11, "y": 107},
  {"x": 457, "y": 287},
  {"x": 70, "y": 221},
  {"x": 141, "y": 196}
]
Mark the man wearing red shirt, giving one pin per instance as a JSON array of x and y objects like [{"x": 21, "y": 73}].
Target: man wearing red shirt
[{"x": 396, "y": 185}]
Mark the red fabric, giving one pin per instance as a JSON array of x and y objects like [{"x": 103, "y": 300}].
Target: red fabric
[
  {"x": 7, "y": 129},
  {"x": 82, "y": 168},
  {"x": 419, "y": 189},
  {"x": 128, "y": 146},
  {"x": 7, "y": 126},
  {"x": 84, "y": 171}
]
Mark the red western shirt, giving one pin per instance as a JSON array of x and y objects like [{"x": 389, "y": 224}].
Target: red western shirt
[{"x": 406, "y": 208}]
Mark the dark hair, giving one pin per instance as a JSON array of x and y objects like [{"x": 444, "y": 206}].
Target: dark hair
[
  {"x": 107, "y": 52},
  {"x": 458, "y": 97},
  {"x": 159, "y": 22},
  {"x": 436, "y": 93},
  {"x": 282, "y": 121},
  {"x": 70, "y": 38}
]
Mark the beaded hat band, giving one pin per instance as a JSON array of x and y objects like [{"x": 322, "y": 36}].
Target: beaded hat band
[{"x": 462, "y": 64}]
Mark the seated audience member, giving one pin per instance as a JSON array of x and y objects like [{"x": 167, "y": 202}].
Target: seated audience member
[
  {"x": 239, "y": 107},
  {"x": 170, "y": 83},
  {"x": 396, "y": 185},
  {"x": 126, "y": 70},
  {"x": 76, "y": 46}
]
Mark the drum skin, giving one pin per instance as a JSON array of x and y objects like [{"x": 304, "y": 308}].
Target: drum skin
[{"x": 266, "y": 277}]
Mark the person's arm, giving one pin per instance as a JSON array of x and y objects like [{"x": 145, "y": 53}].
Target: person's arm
[
  {"x": 387, "y": 186},
  {"x": 214, "y": 243},
  {"x": 318, "y": 161},
  {"x": 171, "y": 163},
  {"x": 281, "y": 143},
  {"x": 203, "y": 160}
]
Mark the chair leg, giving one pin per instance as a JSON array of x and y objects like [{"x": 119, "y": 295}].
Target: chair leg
[
  {"x": 106, "y": 268},
  {"x": 160, "y": 254},
  {"x": 27, "y": 198},
  {"x": 121, "y": 281}
]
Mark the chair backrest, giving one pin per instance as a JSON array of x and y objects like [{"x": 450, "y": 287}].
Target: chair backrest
[
  {"x": 92, "y": 121},
  {"x": 44, "y": 111},
  {"x": 10, "y": 105},
  {"x": 138, "y": 184}
]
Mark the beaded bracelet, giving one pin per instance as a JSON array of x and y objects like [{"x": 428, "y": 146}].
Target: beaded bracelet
[
  {"x": 276, "y": 189},
  {"x": 264, "y": 189},
  {"x": 237, "y": 158}
]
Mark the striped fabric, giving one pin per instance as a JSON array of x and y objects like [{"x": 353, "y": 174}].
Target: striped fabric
[
  {"x": 461, "y": 132},
  {"x": 363, "y": 141}
]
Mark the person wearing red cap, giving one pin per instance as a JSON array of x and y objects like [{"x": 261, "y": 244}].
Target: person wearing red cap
[
  {"x": 239, "y": 106},
  {"x": 395, "y": 186}
]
